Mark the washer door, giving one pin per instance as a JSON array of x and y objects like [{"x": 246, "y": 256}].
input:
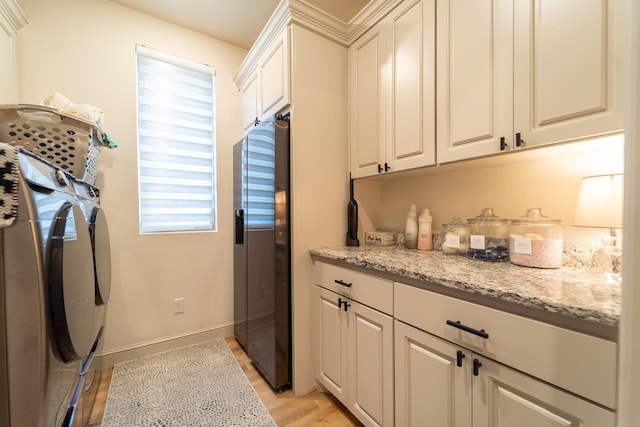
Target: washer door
[
  {"x": 71, "y": 284},
  {"x": 101, "y": 255}
]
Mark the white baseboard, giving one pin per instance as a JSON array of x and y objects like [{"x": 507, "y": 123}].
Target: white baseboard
[{"x": 107, "y": 359}]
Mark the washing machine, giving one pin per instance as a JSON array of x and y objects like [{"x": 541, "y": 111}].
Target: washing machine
[{"x": 48, "y": 317}]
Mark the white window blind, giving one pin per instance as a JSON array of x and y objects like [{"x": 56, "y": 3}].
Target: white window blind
[{"x": 176, "y": 143}]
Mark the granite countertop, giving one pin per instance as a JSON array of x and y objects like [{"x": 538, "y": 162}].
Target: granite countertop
[{"x": 577, "y": 293}]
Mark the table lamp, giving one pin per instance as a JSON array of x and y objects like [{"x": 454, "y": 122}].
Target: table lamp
[{"x": 600, "y": 205}]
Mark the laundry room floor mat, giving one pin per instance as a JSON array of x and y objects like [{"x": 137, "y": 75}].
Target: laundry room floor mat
[{"x": 199, "y": 385}]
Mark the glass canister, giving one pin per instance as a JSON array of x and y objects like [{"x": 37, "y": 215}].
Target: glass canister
[
  {"x": 455, "y": 237},
  {"x": 488, "y": 237},
  {"x": 535, "y": 240}
]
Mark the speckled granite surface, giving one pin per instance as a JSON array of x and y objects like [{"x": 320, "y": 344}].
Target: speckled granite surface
[{"x": 579, "y": 293}]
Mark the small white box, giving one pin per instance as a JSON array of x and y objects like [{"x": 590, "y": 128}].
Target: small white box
[{"x": 379, "y": 238}]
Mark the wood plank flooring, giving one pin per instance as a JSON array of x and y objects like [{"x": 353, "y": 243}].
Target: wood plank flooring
[{"x": 314, "y": 408}]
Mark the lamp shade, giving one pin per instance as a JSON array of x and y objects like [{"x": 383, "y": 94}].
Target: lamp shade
[{"x": 600, "y": 202}]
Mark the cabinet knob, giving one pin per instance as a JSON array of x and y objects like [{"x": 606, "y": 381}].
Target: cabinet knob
[
  {"x": 387, "y": 168},
  {"x": 503, "y": 144},
  {"x": 379, "y": 168},
  {"x": 459, "y": 356},
  {"x": 476, "y": 367},
  {"x": 519, "y": 141},
  {"x": 256, "y": 122},
  {"x": 343, "y": 301}
]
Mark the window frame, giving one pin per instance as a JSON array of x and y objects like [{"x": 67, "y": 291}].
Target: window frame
[{"x": 147, "y": 229}]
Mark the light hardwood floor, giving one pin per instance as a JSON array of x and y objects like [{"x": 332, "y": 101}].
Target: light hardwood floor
[{"x": 311, "y": 409}]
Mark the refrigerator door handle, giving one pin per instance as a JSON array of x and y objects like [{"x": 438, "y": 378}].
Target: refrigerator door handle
[{"x": 239, "y": 215}]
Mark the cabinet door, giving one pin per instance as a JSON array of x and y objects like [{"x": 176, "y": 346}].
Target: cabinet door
[
  {"x": 474, "y": 77},
  {"x": 249, "y": 100},
  {"x": 7, "y": 69},
  {"x": 367, "y": 103},
  {"x": 411, "y": 85},
  {"x": 569, "y": 72},
  {"x": 503, "y": 397},
  {"x": 370, "y": 365},
  {"x": 274, "y": 76},
  {"x": 431, "y": 390},
  {"x": 331, "y": 344}
]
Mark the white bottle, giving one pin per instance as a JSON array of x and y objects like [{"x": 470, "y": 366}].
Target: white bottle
[
  {"x": 411, "y": 230},
  {"x": 425, "y": 239}
]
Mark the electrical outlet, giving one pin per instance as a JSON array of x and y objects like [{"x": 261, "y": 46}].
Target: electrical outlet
[{"x": 178, "y": 305}]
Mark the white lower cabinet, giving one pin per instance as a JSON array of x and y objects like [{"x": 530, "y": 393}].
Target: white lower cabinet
[
  {"x": 441, "y": 384},
  {"x": 504, "y": 397},
  {"x": 431, "y": 389},
  {"x": 460, "y": 364},
  {"x": 331, "y": 334},
  {"x": 396, "y": 354},
  {"x": 355, "y": 352}
]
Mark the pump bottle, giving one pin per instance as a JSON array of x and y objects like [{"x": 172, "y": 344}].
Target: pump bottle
[
  {"x": 411, "y": 230},
  {"x": 425, "y": 238}
]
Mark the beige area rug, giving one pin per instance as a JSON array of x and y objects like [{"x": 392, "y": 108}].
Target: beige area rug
[{"x": 198, "y": 385}]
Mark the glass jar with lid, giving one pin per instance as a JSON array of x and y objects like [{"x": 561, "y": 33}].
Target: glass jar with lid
[
  {"x": 535, "y": 240},
  {"x": 488, "y": 237},
  {"x": 455, "y": 237}
]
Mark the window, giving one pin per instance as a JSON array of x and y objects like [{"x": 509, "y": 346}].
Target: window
[{"x": 176, "y": 143}]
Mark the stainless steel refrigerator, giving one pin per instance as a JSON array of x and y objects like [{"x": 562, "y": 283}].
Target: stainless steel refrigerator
[{"x": 262, "y": 260}]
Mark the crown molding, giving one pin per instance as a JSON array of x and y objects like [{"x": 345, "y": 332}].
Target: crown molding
[
  {"x": 304, "y": 14},
  {"x": 280, "y": 18},
  {"x": 369, "y": 16},
  {"x": 12, "y": 18}
]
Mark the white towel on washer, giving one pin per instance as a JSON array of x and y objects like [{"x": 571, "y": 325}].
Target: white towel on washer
[{"x": 8, "y": 184}]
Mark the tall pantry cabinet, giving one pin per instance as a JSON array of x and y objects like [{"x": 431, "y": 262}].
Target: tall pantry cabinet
[
  {"x": 514, "y": 74},
  {"x": 299, "y": 80}
]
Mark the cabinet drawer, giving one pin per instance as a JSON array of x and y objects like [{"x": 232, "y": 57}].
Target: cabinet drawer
[
  {"x": 580, "y": 363},
  {"x": 369, "y": 290}
]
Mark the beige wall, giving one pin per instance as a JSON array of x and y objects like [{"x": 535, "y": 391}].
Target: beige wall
[
  {"x": 548, "y": 178},
  {"x": 85, "y": 49}
]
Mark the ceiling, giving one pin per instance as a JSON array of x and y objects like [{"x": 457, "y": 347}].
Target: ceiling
[{"x": 238, "y": 22}]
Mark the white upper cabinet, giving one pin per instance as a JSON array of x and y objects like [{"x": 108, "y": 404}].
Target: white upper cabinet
[
  {"x": 392, "y": 92},
  {"x": 514, "y": 74},
  {"x": 266, "y": 89},
  {"x": 367, "y": 107},
  {"x": 474, "y": 77},
  {"x": 250, "y": 100},
  {"x": 569, "y": 74},
  {"x": 274, "y": 76}
]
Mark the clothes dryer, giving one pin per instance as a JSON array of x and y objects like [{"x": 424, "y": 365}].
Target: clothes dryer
[{"x": 89, "y": 198}]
